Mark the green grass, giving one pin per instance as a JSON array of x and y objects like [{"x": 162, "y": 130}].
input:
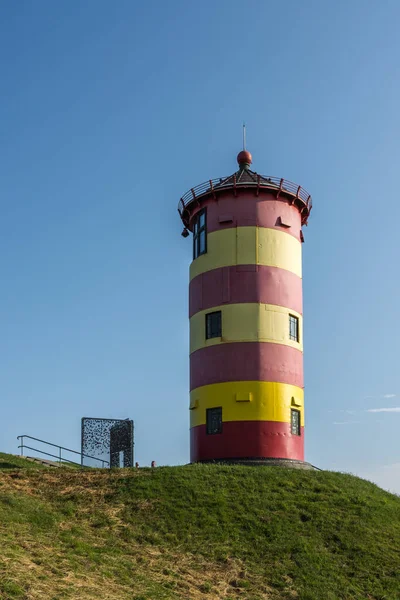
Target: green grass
[
  {"x": 9, "y": 461},
  {"x": 196, "y": 532}
]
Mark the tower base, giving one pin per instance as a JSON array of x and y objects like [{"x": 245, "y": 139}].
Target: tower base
[{"x": 285, "y": 463}]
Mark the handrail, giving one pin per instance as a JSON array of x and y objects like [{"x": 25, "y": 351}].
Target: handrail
[
  {"x": 212, "y": 186},
  {"x": 52, "y": 455},
  {"x": 60, "y": 458}
]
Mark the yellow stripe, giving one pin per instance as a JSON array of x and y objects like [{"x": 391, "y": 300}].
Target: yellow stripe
[
  {"x": 249, "y": 246},
  {"x": 246, "y": 323},
  {"x": 247, "y": 401}
]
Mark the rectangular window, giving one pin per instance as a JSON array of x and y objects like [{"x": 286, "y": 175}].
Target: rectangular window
[
  {"x": 295, "y": 421},
  {"x": 214, "y": 420},
  {"x": 213, "y": 325},
  {"x": 294, "y": 328},
  {"x": 200, "y": 234}
]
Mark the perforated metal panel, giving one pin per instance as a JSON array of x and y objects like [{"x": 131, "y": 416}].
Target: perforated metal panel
[{"x": 110, "y": 440}]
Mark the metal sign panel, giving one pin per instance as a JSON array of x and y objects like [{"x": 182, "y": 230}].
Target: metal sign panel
[{"x": 108, "y": 440}]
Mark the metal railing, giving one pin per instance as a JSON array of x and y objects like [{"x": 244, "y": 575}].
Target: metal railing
[
  {"x": 214, "y": 185},
  {"x": 60, "y": 458}
]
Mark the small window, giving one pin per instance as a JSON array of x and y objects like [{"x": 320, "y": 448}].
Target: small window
[
  {"x": 200, "y": 234},
  {"x": 294, "y": 328},
  {"x": 295, "y": 421},
  {"x": 213, "y": 325},
  {"x": 214, "y": 420}
]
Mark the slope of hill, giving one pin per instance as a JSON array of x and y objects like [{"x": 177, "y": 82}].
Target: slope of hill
[
  {"x": 196, "y": 532},
  {"x": 9, "y": 461}
]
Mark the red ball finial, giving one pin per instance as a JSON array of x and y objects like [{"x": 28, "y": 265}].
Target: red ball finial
[{"x": 244, "y": 158}]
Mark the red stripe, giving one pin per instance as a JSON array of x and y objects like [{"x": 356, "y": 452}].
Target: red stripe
[
  {"x": 247, "y": 439},
  {"x": 268, "y": 285},
  {"x": 248, "y": 209},
  {"x": 246, "y": 361}
]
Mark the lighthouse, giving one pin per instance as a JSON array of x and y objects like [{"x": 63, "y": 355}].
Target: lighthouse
[{"x": 246, "y": 323}]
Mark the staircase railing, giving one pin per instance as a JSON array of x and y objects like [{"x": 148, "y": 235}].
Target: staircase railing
[{"x": 60, "y": 458}]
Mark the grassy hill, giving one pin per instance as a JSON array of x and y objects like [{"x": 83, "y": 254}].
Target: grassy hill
[
  {"x": 195, "y": 532},
  {"x": 9, "y": 461}
]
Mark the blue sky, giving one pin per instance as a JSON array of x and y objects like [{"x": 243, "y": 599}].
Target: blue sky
[{"x": 110, "y": 112}]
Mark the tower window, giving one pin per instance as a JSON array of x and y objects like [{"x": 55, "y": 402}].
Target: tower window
[
  {"x": 214, "y": 420},
  {"x": 295, "y": 421},
  {"x": 213, "y": 325},
  {"x": 294, "y": 328},
  {"x": 200, "y": 234}
]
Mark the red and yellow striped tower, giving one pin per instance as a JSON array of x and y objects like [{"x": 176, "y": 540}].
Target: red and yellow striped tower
[{"x": 245, "y": 309}]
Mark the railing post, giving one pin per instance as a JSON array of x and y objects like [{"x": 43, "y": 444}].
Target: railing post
[
  {"x": 212, "y": 189},
  {"x": 60, "y": 455},
  {"x": 280, "y": 188},
  {"x": 258, "y": 185}
]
